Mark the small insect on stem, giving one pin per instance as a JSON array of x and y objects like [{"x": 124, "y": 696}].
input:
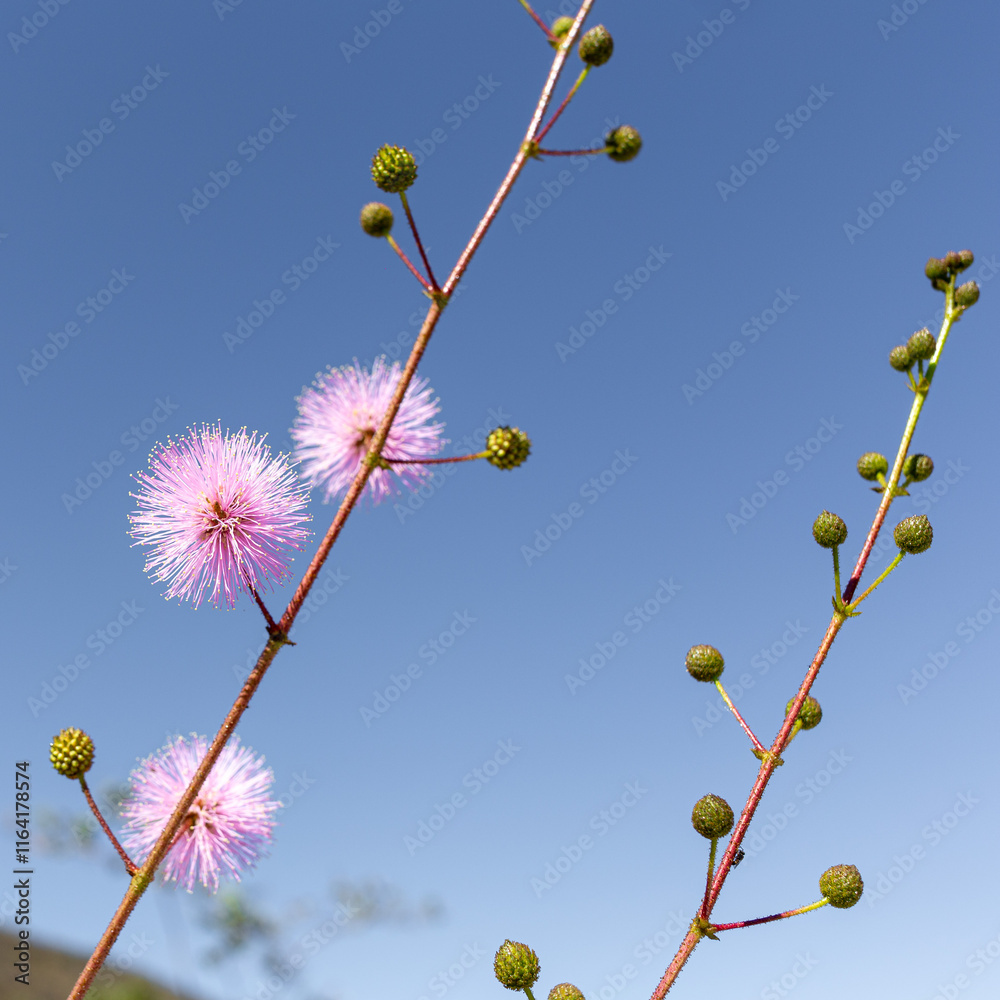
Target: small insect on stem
[{"x": 740, "y": 855}]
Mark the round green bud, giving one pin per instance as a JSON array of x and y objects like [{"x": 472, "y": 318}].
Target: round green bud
[
  {"x": 508, "y": 447},
  {"x": 935, "y": 268},
  {"x": 596, "y": 46},
  {"x": 565, "y": 991},
  {"x": 712, "y": 817},
  {"x": 914, "y": 534},
  {"x": 965, "y": 259},
  {"x": 560, "y": 26},
  {"x": 967, "y": 294},
  {"x": 829, "y": 530},
  {"x": 623, "y": 143},
  {"x": 841, "y": 885},
  {"x": 899, "y": 358},
  {"x": 376, "y": 219},
  {"x": 872, "y": 464},
  {"x": 704, "y": 663},
  {"x": 810, "y": 713},
  {"x": 516, "y": 965},
  {"x": 393, "y": 169},
  {"x": 918, "y": 467},
  {"x": 921, "y": 345},
  {"x": 72, "y": 753},
  {"x": 952, "y": 261}
]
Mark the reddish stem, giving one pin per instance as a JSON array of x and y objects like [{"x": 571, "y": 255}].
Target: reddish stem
[
  {"x": 144, "y": 876},
  {"x": 406, "y": 260},
  {"x": 130, "y": 866},
  {"x": 423, "y": 256}
]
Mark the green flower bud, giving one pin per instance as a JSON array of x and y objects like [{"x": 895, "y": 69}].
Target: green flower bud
[
  {"x": 965, "y": 259},
  {"x": 623, "y": 143},
  {"x": 871, "y": 464},
  {"x": 952, "y": 261},
  {"x": 376, "y": 219},
  {"x": 899, "y": 358},
  {"x": 596, "y": 46},
  {"x": 508, "y": 447},
  {"x": 841, "y": 885},
  {"x": 516, "y": 965},
  {"x": 914, "y": 534},
  {"x": 704, "y": 663},
  {"x": 967, "y": 294},
  {"x": 936, "y": 268},
  {"x": 393, "y": 169},
  {"x": 921, "y": 345},
  {"x": 829, "y": 530},
  {"x": 712, "y": 817},
  {"x": 565, "y": 991},
  {"x": 560, "y": 26},
  {"x": 72, "y": 753},
  {"x": 809, "y": 714},
  {"x": 918, "y": 467}
]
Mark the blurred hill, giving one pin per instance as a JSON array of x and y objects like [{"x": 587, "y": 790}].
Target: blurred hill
[{"x": 53, "y": 973}]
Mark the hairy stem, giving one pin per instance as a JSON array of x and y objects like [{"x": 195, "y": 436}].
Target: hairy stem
[
  {"x": 773, "y": 758},
  {"x": 144, "y": 876}
]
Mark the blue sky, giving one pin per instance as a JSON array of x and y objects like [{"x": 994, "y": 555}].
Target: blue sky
[{"x": 677, "y": 334}]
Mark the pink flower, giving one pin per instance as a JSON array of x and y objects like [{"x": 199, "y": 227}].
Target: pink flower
[
  {"x": 228, "y": 825},
  {"x": 220, "y": 514},
  {"x": 339, "y": 416}
]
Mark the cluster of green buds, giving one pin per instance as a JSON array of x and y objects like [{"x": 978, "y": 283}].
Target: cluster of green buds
[
  {"x": 507, "y": 447},
  {"x": 393, "y": 169},
  {"x": 916, "y": 468},
  {"x": 943, "y": 270},
  {"x": 516, "y": 967},
  {"x": 72, "y": 753}
]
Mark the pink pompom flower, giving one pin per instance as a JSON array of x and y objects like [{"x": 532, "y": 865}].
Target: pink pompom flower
[
  {"x": 219, "y": 513},
  {"x": 229, "y": 824},
  {"x": 338, "y": 418}
]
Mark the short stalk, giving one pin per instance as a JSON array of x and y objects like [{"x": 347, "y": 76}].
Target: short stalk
[
  {"x": 130, "y": 866},
  {"x": 757, "y": 745},
  {"x": 406, "y": 260},
  {"x": 434, "y": 286}
]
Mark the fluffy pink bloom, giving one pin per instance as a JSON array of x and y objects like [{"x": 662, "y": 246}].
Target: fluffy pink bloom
[
  {"x": 229, "y": 824},
  {"x": 339, "y": 415},
  {"x": 219, "y": 513}
]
